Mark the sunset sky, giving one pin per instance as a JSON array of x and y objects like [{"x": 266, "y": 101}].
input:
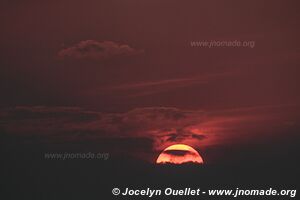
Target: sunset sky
[{"x": 121, "y": 76}]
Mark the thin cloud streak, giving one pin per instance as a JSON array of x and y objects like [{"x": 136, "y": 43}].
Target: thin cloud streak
[{"x": 138, "y": 89}]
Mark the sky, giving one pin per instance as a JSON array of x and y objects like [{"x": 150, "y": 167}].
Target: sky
[{"x": 122, "y": 74}]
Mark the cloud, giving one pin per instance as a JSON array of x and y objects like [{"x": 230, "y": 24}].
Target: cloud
[
  {"x": 180, "y": 134},
  {"x": 179, "y": 152},
  {"x": 146, "y": 88},
  {"x": 156, "y": 127},
  {"x": 91, "y": 49},
  {"x": 68, "y": 123}
]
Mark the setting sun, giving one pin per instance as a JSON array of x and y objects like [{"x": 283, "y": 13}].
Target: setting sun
[{"x": 179, "y": 154}]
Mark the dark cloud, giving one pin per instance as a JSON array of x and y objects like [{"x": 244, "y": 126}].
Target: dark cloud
[
  {"x": 179, "y": 152},
  {"x": 156, "y": 127},
  {"x": 78, "y": 119},
  {"x": 180, "y": 135},
  {"x": 199, "y": 137},
  {"x": 91, "y": 49}
]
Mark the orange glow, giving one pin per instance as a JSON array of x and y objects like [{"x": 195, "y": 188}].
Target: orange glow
[{"x": 179, "y": 154}]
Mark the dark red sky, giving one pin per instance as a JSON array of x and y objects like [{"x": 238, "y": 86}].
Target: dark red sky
[{"x": 122, "y": 56}]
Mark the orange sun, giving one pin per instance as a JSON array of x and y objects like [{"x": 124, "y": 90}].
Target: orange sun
[{"x": 179, "y": 154}]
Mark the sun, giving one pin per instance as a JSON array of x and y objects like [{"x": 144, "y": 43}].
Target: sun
[{"x": 179, "y": 154}]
